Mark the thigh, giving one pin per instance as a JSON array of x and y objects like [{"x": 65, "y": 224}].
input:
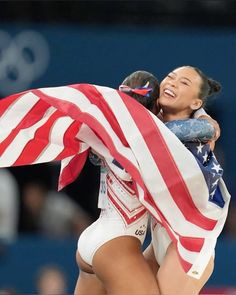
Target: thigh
[
  {"x": 121, "y": 266},
  {"x": 88, "y": 283},
  {"x": 151, "y": 259},
  {"x": 173, "y": 280}
]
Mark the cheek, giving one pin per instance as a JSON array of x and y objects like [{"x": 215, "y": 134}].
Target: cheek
[
  {"x": 186, "y": 96},
  {"x": 162, "y": 84},
  {"x": 162, "y": 100}
]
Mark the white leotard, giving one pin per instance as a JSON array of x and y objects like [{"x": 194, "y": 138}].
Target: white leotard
[{"x": 121, "y": 214}]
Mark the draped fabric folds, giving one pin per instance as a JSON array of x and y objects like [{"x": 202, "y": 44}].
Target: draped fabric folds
[{"x": 63, "y": 123}]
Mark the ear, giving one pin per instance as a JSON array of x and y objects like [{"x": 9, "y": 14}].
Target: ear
[{"x": 196, "y": 104}]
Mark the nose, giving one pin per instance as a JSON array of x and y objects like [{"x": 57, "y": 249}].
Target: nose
[{"x": 172, "y": 82}]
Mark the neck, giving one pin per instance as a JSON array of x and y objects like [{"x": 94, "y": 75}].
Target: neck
[{"x": 174, "y": 116}]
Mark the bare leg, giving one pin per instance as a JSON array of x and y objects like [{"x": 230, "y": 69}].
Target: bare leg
[
  {"x": 87, "y": 282},
  {"x": 121, "y": 266},
  {"x": 173, "y": 280},
  {"x": 151, "y": 259}
]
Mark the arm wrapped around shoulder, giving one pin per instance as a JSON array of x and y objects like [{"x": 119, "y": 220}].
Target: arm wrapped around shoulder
[{"x": 192, "y": 130}]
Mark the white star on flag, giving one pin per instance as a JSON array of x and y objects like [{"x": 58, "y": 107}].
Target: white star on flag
[
  {"x": 216, "y": 167},
  {"x": 212, "y": 194},
  {"x": 199, "y": 148},
  {"x": 215, "y": 183},
  {"x": 205, "y": 157}
]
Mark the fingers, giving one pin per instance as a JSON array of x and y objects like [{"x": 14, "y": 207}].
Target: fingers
[
  {"x": 215, "y": 124},
  {"x": 212, "y": 144},
  {"x": 216, "y": 127}
]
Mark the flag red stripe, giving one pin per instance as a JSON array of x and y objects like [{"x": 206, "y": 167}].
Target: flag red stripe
[
  {"x": 185, "y": 264},
  {"x": 35, "y": 147},
  {"x": 97, "y": 99},
  {"x": 66, "y": 107},
  {"x": 33, "y": 116},
  {"x": 71, "y": 143},
  {"x": 167, "y": 166},
  {"x": 72, "y": 170},
  {"x": 192, "y": 244}
]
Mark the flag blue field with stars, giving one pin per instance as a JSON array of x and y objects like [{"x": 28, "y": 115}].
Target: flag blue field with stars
[{"x": 211, "y": 169}]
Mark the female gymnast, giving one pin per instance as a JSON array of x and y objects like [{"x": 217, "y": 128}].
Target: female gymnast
[
  {"x": 183, "y": 90},
  {"x": 111, "y": 246}
]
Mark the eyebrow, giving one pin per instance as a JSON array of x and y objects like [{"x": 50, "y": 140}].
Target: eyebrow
[
  {"x": 186, "y": 79},
  {"x": 181, "y": 77}
]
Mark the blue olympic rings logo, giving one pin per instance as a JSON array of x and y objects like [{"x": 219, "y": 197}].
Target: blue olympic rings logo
[{"x": 23, "y": 59}]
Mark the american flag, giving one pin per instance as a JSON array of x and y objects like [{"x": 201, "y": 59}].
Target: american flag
[
  {"x": 62, "y": 123},
  {"x": 210, "y": 167}
]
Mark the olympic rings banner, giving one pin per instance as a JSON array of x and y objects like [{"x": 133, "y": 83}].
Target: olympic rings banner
[{"x": 24, "y": 58}]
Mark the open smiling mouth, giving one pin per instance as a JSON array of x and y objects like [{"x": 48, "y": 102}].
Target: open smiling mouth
[{"x": 169, "y": 93}]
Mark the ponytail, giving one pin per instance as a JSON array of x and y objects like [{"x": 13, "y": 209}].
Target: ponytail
[
  {"x": 208, "y": 87},
  {"x": 214, "y": 87}
]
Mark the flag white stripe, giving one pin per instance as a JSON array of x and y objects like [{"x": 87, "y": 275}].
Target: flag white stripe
[
  {"x": 191, "y": 173},
  {"x": 85, "y": 133},
  {"x": 201, "y": 261},
  {"x": 15, "y": 113},
  {"x": 13, "y": 151},
  {"x": 68, "y": 94},
  {"x": 187, "y": 255},
  {"x": 55, "y": 145}
]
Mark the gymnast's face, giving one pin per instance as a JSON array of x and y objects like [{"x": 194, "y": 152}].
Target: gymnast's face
[{"x": 179, "y": 92}]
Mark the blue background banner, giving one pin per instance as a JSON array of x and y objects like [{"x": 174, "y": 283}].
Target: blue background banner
[{"x": 43, "y": 55}]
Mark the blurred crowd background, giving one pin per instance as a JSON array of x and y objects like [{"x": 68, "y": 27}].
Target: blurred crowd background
[{"x": 53, "y": 43}]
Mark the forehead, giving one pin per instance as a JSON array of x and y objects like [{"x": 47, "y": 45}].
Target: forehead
[{"x": 189, "y": 73}]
